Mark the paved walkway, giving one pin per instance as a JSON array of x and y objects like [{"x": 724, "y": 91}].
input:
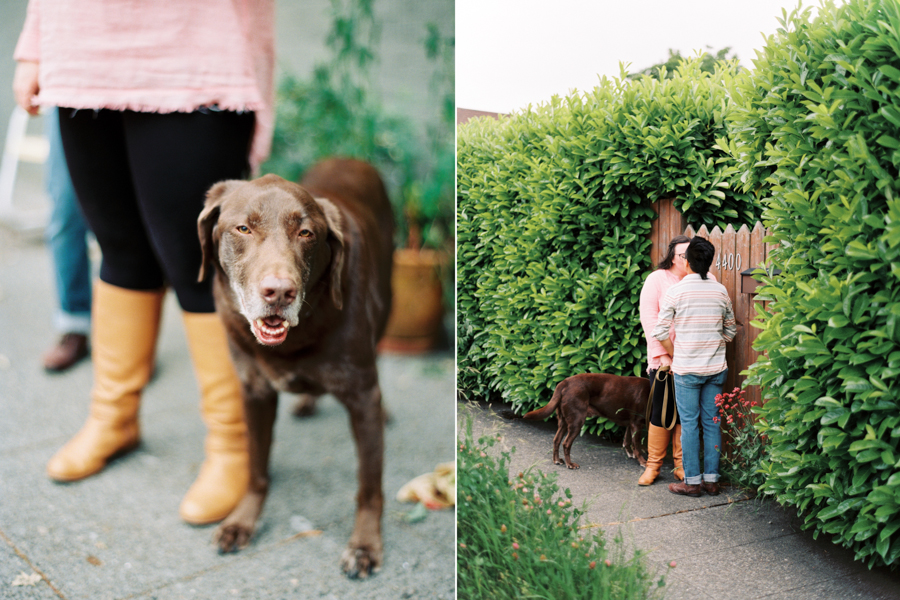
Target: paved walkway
[
  {"x": 117, "y": 535},
  {"x": 725, "y": 546}
]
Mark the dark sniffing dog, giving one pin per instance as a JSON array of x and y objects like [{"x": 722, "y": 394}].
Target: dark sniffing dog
[
  {"x": 622, "y": 400},
  {"x": 302, "y": 284}
]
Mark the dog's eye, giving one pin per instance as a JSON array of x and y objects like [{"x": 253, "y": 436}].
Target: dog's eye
[
  {"x": 305, "y": 233},
  {"x": 243, "y": 229}
]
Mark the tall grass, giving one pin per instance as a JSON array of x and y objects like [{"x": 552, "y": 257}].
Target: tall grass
[{"x": 518, "y": 537}]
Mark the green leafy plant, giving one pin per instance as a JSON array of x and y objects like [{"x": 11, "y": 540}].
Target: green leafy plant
[
  {"x": 741, "y": 466},
  {"x": 553, "y": 216},
  {"x": 817, "y": 127},
  {"x": 428, "y": 208},
  {"x": 519, "y": 537},
  {"x": 336, "y": 113},
  {"x": 708, "y": 63}
]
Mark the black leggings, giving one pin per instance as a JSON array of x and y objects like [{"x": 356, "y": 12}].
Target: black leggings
[
  {"x": 141, "y": 180},
  {"x": 658, "y": 391}
]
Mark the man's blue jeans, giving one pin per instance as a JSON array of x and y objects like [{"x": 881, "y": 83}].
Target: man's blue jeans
[
  {"x": 695, "y": 396},
  {"x": 65, "y": 235}
]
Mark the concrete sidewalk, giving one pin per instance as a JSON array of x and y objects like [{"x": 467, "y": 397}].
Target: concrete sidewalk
[
  {"x": 117, "y": 535},
  {"x": 725, "y": 546}
]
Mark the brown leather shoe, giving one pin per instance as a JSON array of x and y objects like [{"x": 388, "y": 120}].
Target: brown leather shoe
[
  {"x": 685, "y": 489},
  {"x": 711, "y": 487},
  {"x": 70, "y": 349}
]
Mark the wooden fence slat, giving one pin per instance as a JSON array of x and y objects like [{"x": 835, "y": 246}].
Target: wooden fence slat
[
  {"x": 655, "y": 241},
  {"x": 727, "y": 256},
  {"x": 715, "y": 237},
  {"x": 676, "y": 220},
  {"x": 666, "y": 211},
  {"x": 757, "y": 257},
  {"x": 742, "y": 305},
  {"x": 665, "y": 217}
]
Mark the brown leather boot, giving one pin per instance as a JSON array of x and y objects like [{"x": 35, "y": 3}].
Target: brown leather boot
[
  {"x": 125, "y": 326},
  {"x": 225, "y": 473},
  {"x": 657, "y": 443},
  {"x": 685, "y": 489},
  {"x": 676, "y": 453},
  {"x": 71, "y": 348},
  {"x": 711, "y": 487}
]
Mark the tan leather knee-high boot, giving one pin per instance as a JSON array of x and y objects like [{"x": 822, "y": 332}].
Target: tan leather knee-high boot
[
  {"x": 676, "y": 452},
  {"x": 657, "y": 444},
  {"x": 225, "y": 473},
  {"x": 125, "y": 324}
]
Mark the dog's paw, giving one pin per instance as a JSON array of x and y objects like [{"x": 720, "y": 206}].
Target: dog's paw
[
  {"x": 360, "y": 562},
  {"x": 573, "y": 465},
  {"x": 232, "y": 537}
]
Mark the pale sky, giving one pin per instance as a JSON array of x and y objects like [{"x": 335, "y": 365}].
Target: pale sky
[{"x": 510, "y": 53}]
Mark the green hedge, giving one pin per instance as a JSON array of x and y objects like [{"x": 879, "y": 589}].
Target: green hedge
[
  {"x": 820, "y": 125},
  {"x": 553, "y": 214}
]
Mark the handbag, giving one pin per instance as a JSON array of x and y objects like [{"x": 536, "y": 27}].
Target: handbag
[{"x": 662, "y": 377}]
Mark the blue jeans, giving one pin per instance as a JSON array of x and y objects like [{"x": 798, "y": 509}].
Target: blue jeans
[
  {"x": 695, "y": 396},
  {"x": 65, "y": 235}
]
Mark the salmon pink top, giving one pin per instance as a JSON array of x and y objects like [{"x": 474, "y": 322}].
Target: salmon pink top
[
  {"x": 654, "y": 290},
  {"x": 155, "y": 57}
]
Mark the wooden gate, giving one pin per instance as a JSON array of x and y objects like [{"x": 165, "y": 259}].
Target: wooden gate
[{"x": 736, "y": 251}]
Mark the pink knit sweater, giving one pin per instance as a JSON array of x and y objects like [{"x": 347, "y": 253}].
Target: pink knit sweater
[
  {"x": 652, "y": 293},
  {"x": 155, "y": 56}
]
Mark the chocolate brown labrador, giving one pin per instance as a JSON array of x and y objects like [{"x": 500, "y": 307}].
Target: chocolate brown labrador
[
  {"x": 622, "y": 400},
  {"x": 302, "y": 284}
]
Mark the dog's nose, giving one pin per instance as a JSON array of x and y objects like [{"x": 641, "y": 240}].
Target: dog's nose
[{"x": 276, "y": 290}]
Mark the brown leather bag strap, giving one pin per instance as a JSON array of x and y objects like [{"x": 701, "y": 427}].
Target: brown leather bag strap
[
  {"x": 666, "y": 403},
  {"x": 650, "y": 399}
]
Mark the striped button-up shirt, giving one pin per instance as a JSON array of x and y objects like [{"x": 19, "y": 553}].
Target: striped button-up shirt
[{"x": 700, "y": 311}]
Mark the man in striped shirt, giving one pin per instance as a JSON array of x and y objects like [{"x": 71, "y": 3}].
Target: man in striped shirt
[{"x": 699, "y": 310}]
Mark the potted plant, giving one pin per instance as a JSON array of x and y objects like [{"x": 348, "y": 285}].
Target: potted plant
[
  {"x": 421, "y": 264},
  {"x": 335, "y": 113}
]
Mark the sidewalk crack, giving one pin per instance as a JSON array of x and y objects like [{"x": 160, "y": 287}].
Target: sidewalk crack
[
  {"x": 31, "y": 565},
  {"x": 677, "y": 512}
]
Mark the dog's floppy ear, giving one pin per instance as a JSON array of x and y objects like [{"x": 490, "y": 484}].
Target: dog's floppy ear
[
  {"x": 336, "y": 242},
  {"x": 209, "y": 217}
]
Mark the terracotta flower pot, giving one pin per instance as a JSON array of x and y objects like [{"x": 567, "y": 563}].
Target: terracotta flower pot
[{"x": 417, "y": 310}]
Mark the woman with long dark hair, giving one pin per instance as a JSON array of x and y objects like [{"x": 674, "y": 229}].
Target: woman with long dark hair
[{"x": 669, "y": 272}]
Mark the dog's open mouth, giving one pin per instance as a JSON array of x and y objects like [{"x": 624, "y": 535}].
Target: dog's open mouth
[{"x": 271, "y": 330}]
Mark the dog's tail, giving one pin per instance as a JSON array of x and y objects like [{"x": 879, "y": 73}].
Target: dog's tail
[{"x": 546, "y": 411}]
